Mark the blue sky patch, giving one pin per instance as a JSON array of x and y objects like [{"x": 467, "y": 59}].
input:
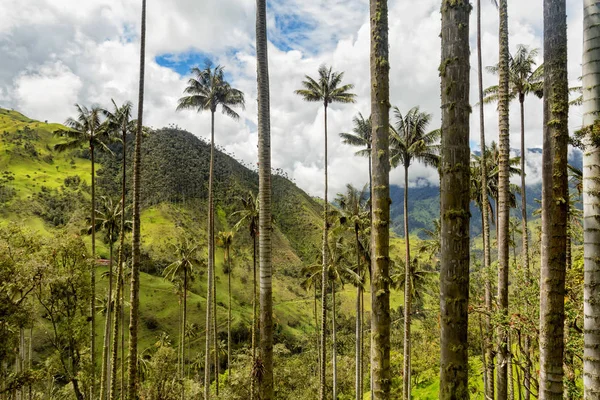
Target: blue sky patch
[{"x": 182, "y": 62}]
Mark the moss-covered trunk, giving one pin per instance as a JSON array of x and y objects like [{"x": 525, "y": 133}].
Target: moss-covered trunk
[
  {"x": 555, "y": 200},
  {"x": 454, "y": 204},
  {"x": 591, "y": 199},
  {"x": 135, "y": 262},
  {"x": 380, "y": 215},
  {"x": 264, "y": 195}
]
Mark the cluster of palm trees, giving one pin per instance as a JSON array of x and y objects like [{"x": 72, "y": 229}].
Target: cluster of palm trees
[{"x": 388, "y": 147}]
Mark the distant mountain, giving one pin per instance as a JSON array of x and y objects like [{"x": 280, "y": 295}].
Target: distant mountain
[{"x": 424, "y": 202}]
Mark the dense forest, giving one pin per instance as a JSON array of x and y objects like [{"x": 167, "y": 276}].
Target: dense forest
[{"x": 145, "y": 263}]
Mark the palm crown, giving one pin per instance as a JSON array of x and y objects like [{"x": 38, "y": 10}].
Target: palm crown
[
  {"x": 360, "y": 136},
  {"x": 523, "y": 78},
  {"x": 84, "y": 129},
  {"x": 409, "y": 140},
  {"x": 327, "y": 88},
  {"x": 118, "y": 121},
  {"x": 207, "y": 89}
]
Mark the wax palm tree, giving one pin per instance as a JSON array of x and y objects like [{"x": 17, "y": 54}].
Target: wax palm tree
[
  {"x": 360, "y": 137},
  {"x": 136, "y": 254},
  {"x": 225, "y": 240},
  {"x": 524, "y": 79},
  {"x": 454, "y": 200},
  {"x": 340, "y": 271},
  {"x": 118, "y": 121},
  {"x": 489, "y": 354},
  {"x": 249, "y": 215},
  {"x": 186, "y": 253},
  {"x": 555, "y": 193},
  {"x": 207, "y": 90},
  {"x": 327, "y": 88},
  {"x": 380, "y": 200},
  {"x": 108, "y": 218},
  {"x": 410, "y": 142},
  {"x": 431, "y": 246},
  {"x": 312, "y": 280},
  {"x": 264, "y": 193},
  {"x": 355, "y": 214},
  {"x": 503, "y": 208},
  {"x": 85, "y": 129},
  {"x": 591, "y": 202}
]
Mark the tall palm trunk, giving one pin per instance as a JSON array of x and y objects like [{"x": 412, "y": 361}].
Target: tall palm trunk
[
  {"x": 357, "y": 385},
  {"x": 135, "y": 264},
  {"x": 229, "y": 314},
  {"x": 264, "y": 195},
  {"x": 380, "y": 216},
  {"x": 322, "y": 371},
  {"x": 489, "y": 354},
  {"x": 407, "y": 294},
  {"x": 119, "y": 294},
  {"x": 454, "y": 204},
  {"x": 215, "y": 331},
  {"x": 104, "y": 380},
  {"x": 254, "y": 298},
  {"x": 503, "y": 202},
  {"x": 525, "y": 231},
  {"x": 334, "y": 341},
  {"x": 358, "y": 338},
  {"x": 93, "y": 279},
  {"x": 555, "y": 200},
  {"x": 211, "y": 261},
  {"x": 183, "y": 326},
  {"x": 591, "y": 200}
]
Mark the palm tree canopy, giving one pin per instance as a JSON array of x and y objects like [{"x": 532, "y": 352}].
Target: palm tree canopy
[
  {"x": 108, "y": 219},
  {"x": 119, "y": 120},
  {"x": 186, "y": 253},
  {"x": 327, "y": 88},
  {"x": 248, "y": 214},
  {"x": 207, "y": 89},
  {"x": 360, "y": 136},
  {"x": 409, "y": 140},
  {"x": 85, "y": 129},
  {"x": 523, "y": 77}
]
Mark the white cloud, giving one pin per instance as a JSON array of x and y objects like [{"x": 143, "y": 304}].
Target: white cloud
[{"x": 58, "y": 52}]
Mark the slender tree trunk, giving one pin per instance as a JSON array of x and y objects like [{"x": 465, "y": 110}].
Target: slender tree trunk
[
  {"x": 334, "y": 341},
  {"x": 358, "y": 339},
  {"x": 254, "y": 299},
  {"x": 228, "y": 315},
  {"x": 215, "y": 331},
  {"x": 509, "y": 374},
  {"x": 591, "y": 200},
  {"x": 211, "y": 259},
  {"x": 455, "y": 176},
  {"x": 184, "y": 323},
  {"x": 503, "y": 203},
  {"x": 527, "y": 372},
  {"x": 357, "y": 387},
  {"x": 317, "y": 328},
  {"x": 264, "y": 195},
  {"x": 105, "y": 377},
  {"x": 489, "y": 355},
  {"x": 362, "y": 340},
  {"x": 122, "y": 392},
  {"x": 119, "y": 296},
  {"x": 322, "y": 374},
  {"x": 93, "y": 281},
  {"x": 407, "y": 293},
  {"x": 380, "y": 217},
  {"x": 555, "y": 196},
  {"x": 524, "y": 227},
  {"x": 135, "y": 264}
]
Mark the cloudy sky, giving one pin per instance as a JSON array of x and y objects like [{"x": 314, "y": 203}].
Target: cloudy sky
[{"x": 59, "y": 52}]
